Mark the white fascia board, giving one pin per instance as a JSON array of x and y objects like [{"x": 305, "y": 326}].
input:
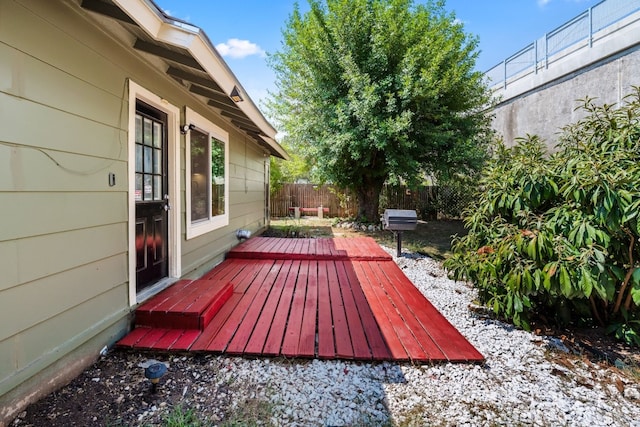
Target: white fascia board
[
  {"x": 272, "y": 142},
  {"x": 142, "y": 13},
  {"x": 195, "y": 42}
]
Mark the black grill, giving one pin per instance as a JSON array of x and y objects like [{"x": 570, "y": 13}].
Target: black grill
[{"x": 399, "y": 220}]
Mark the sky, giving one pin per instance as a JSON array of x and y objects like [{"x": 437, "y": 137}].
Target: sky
[{"x": 245, "y": 31}]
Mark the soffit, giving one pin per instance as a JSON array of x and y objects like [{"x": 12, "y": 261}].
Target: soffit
[{"x": 184, "y": 67}]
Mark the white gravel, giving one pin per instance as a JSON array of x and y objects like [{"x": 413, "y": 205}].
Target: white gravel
[{"x": 526, "y": 380}]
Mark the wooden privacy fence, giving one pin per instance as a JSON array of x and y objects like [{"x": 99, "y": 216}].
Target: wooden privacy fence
[{"x": 429, "y": 202}]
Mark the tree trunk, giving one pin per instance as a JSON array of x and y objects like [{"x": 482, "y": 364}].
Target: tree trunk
[{"x": 369, "y": 199}]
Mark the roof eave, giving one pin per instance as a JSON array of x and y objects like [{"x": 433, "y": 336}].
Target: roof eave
[{"x": 166, "y": 29}]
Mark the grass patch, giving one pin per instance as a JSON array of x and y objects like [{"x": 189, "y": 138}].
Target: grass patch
[
  {"x": 180, "y": 417},
  {"x": 304, "y": 227},
  {"x": 250, "y": 413},
  {"x": 432, "y": 238}
]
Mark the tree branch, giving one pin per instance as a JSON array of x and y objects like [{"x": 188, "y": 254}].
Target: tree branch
[
  {"x": 627, "y": 277},
  {"x": 594, "y": 310}
]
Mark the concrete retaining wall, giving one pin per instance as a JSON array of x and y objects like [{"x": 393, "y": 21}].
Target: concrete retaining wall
[
  {"x": 545, "y": 110},
  {"x": 542, "y": 103}
]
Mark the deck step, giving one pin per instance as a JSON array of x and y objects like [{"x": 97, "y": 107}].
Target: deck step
[{"x": 185, "y": 305}]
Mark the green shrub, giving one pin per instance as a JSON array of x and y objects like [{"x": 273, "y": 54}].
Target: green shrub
[{"x": 556, "y": 236}]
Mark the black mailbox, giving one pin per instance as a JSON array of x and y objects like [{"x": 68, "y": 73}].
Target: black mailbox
[{"x": 400, "y": 219}]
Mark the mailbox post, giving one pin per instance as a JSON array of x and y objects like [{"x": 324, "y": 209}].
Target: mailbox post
[{"x": 399, "y": 220}]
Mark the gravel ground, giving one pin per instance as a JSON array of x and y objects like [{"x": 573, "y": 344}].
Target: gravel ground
[{"x": 527, "y": 380}]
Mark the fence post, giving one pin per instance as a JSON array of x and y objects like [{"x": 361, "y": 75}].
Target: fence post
[
  {"x": 504, "y": 69},
  {"x": 535, "y": 57},
  {"x": 546, "y": 51},
  {"x": 591, "y": 26}
]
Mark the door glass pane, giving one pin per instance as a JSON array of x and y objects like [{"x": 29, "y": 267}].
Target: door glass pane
[
  {"x": 138, "y": 158},
  {"x": 199, "y": 175},
  {"x": 217, "y": 177},
  {"x": 148, "y": 187},
  {"x": 157, "y": 187},
  {"x": 147, "y": 132},
  {"x": 148, "y": 158},
  {"x": 138, "y": 129},
  {"x": 157, "y": 161},
  {"x": 138, "y": 186},
  {"x": 157, "y": 134}
]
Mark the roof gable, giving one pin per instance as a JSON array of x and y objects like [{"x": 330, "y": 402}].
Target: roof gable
[{"x": 185, "y": 53}]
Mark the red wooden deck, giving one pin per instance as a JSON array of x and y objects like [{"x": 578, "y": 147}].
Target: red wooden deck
[{"x": 324, "y": 298}]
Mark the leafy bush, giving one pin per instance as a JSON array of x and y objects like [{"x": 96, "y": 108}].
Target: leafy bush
[{"x": 557, "y": 236}]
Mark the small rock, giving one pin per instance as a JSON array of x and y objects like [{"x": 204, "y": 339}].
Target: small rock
[
  {"x": 557, "y": 344},
  {"x": 632, "y": 393}
]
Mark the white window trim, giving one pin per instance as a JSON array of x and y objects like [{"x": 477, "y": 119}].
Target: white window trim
[
  {"x": 213, "y": 223},
  {"x": 173, "y": 152}
]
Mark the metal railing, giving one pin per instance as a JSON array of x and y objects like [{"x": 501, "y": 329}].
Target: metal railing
[{"x": 580, "y": 29}]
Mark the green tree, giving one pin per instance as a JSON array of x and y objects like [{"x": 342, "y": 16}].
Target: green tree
[
  {"x": 373, "y": 89},
  {"x": 288, "y": 171}
]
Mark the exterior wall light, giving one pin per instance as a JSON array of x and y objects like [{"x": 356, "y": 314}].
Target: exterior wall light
[
  {"x": 186, "y": 128},
  {"x": 235, "y": 95}
]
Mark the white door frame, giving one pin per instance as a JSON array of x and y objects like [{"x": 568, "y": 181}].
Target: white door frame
[{"x": 137, "y": 92}]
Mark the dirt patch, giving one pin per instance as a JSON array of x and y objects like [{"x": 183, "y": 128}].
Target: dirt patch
[{"x": 114, "y": 392}]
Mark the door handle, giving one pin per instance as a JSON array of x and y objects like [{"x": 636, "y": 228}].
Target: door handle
[{"x": 167, "y": 205}]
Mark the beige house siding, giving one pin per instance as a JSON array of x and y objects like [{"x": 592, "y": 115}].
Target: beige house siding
[
  {"x": 63, "y": 229},
  {"x": 64, "y": 234},
  {"x": 246, "y": 208}
]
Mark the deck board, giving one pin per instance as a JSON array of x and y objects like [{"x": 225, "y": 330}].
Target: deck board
[
  {"x": 256, "y": 325},
  {"x": 240, "y": 326},
  {"x": 424, "y": 344},
  {"x": 186, "y": 340},
  {"x": 381, "y": 313},
  {"x": 439, "y": 328},
  {"x": 307, "y": 339},
  {"x": 292, "y": 331},
  {"x": 344, "y": 349},
  {"x": 221, "y": 328},
  {"x": 326, "y": 343},
  {"x": 307, "y": 249},
  {"x": 324, "y": 298},
  {"x": 360, "y": 346},
  {"x": 279, "y": 323},
  {"x": 377, "y": 344},
  {"x": 168, "y": 339}
]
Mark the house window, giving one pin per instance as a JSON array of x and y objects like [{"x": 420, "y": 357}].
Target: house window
[{"x": 207, "y": 169}]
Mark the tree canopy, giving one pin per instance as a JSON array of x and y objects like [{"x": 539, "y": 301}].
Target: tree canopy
[
  {"x": 373, "y": 89},
  {"x": 288, "y": 171}
]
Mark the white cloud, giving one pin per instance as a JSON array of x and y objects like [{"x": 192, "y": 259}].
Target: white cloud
[
  {"x": 543, "y": 3},
  {"x": 236, "y": 48}
]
